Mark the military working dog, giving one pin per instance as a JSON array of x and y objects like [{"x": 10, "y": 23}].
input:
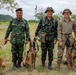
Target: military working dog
[
  {"x": 2, "y": 63},
  {"x": 31, "y": 56},
  {"x": 73, "y": 54}
]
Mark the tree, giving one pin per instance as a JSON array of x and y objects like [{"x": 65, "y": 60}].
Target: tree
[
  {"x": 5, "y": 17},
  {"x": 73, "y": 16},
  {"x": 60, "y": 15},
  {"x": 8, "y": 4},
  {"x": 56, "y": 17},
  {"x": 39, "y": 15}
]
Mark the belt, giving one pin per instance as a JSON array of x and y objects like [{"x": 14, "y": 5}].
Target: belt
[{"x": 50, "y": 33}]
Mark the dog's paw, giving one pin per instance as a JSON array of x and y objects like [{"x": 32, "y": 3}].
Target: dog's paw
[{"x": 3, "y": 64}]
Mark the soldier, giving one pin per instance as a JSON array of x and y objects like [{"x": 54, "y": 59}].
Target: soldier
[
  {"x": 65, "y": 38},
  {"x": 48, "y": 27},
  {"x": 18, "y": 27}
]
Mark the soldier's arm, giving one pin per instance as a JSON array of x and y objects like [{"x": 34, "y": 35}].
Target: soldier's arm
[
  {"x": 27, "y": 31},
  {"x": 59, "y": 31},
  {"x": 9, "y": 29},
  {"x": 38, "y": 28},
  {"x": 74, "y": 27},
  {"x": 56, "y": 26}
]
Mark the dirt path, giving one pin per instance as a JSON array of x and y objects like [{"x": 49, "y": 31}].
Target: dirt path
[{"x": 3, "y": 26}]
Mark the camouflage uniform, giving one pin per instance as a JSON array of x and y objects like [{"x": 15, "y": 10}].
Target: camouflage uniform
[
  {"x": 64, "y": 31},
  {"x": 50, "y": 28},
  {"x": 18, "y": 28}
]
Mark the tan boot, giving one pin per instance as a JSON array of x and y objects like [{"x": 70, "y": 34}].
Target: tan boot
[{"x": 58, "y": 66}]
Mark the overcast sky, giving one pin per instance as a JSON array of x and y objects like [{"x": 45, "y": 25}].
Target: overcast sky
[{"x": 29, "y": 6}]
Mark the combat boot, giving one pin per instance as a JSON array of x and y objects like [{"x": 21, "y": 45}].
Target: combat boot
[
  {"x": 58, "y": 66},
  {"x": 19, "y": 64},
  {"x": 50, "y": 66},
  {"x": 14, "y": 66},
  {"x": 43, "y": 64}
]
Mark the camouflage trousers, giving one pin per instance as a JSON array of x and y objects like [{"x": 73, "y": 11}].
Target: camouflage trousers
[
  {"x": 17, "y": 53},
  {"x": 48, "y": 46},
  {"x": 68, "y": 49}
]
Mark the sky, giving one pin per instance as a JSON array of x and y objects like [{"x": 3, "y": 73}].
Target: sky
[{"x": 29, "y": 7}]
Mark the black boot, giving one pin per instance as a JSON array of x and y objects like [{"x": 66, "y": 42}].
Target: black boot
[
  {"x": 43, "y": 63},
  {"x": 14, "y": 65},
  {"x": 19, "y": 64},
  {"x": 50, "y": 65}
]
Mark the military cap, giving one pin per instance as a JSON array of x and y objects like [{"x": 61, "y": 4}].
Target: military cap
[
  {"x": 49, "y": 8},
  {"x": 19, "y": 9},
  {"x": 66, "y": 10}
]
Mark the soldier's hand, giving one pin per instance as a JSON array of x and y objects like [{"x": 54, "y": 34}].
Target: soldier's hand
[
  {"x": 60, "y": 43},
  {"x": 55, "y": 41},
  {"x": 5, "y": 41}
]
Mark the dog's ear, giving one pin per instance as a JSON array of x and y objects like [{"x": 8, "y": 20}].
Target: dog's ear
[
  {"x": 75, "y": 41},
  {"x": 34, "y": 39},
  {"x": 29, "y": 39}
]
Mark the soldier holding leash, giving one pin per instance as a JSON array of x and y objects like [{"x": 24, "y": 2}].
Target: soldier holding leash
[
  {"x": 47, "y": 30},
  {"x": 18, "y": 28},
  {"x": 65, "y": 28}
]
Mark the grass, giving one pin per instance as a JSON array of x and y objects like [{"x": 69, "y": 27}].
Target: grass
[
  {"x": 5, "y": 53},
  {"x": 4, "y": 23}
]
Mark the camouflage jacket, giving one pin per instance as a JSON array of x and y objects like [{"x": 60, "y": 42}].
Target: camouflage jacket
[
  {"x": 18, "y": 30},
  {"x": 49, "y": 27}
]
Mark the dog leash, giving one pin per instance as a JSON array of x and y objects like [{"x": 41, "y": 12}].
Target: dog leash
[
  {"x": 24, "y": 53},
  {"x": 3, "y": 44},
  {"x": 36, "y": 38},
  {"x": 24, "y": 49},
  {"x": 37, "y": 46}
]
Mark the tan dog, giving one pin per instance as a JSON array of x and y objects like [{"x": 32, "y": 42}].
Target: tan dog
[
  {"x": 73, "y": 54},
  {"x": 2, "y": 63},
  {"x": 31, "y": 56}
]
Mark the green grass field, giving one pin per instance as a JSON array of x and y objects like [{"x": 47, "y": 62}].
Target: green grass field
[
  {"x": 5, "y": 53},
  {"x": 4, "y": 23}
]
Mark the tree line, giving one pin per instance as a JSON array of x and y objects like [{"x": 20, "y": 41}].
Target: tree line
[
  {"x": 5, "y": 17},
  {"x": 11, "y": 4}
]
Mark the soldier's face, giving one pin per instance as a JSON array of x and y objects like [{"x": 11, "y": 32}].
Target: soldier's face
[
  {"x": 66, "y": 15},
  {"x": 19, "y": 14},
  {"x": 49, "y": 13}
]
